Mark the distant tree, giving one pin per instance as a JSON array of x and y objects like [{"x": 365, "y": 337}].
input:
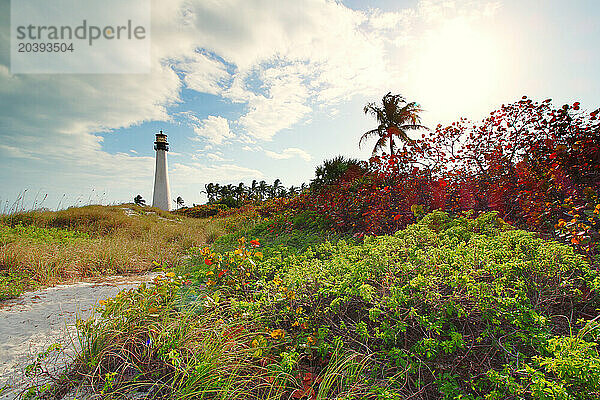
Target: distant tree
[
  {"x": 139, "y": 200},
  {"x": 263, "y": 187},
  {"x": 210, "y": 191},
  {"x": 240, "y": 191},
  {"x": 254, "y": 189},
  {"x": 179, "y": 202},
  {"x": 395, "y": 117},
  {"x": 331, "y": 170},
  {"x": 275, "y": 189}
]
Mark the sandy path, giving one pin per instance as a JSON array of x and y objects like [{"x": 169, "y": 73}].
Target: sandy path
[{"x": 36, "y": 320}]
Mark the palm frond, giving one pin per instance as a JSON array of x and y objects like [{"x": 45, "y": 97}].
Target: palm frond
[
  {"x": 381, "y": 144},
  {"x": 367, "y": 135}
]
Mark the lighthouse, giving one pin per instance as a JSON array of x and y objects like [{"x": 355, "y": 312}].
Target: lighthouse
[{"x": 162, "y": 191}]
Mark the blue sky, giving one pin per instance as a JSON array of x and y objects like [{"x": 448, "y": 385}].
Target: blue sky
[{"x": 268, "y": 89}]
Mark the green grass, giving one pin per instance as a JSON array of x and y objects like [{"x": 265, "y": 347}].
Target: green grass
[{"x": 290, "y": 234}]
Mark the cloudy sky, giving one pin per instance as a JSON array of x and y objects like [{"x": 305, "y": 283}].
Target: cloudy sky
[{"x": 268, "y": 89}]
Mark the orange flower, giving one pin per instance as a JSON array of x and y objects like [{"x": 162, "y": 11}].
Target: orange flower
[
  {"x": 255, "y": 243},
  {"x": 278, "y": 334}
]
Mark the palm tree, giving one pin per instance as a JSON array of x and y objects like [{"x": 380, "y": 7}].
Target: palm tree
[
  {"x": 209, "y": 189},
  {"x": 239, "y": 191},
  {"x": 395, "y": 117},
  {"x": 253, "y": 193},
  {"x": 276, "y": 188},
  {"x": 139, "y": 200},
  {"x": 263, "y": 187}
]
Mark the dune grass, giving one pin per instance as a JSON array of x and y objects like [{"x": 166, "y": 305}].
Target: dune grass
[{"x": 45, "y": 248}]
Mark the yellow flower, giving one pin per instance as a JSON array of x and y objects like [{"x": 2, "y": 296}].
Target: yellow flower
[
  {"x": 209, "y": 273},
  {"x": 210, "y": 282},
  {"x": 296, "y": 323},
  {"x": 278, "y": 334},
  {"x": 102, "y": 302},
  {"x": 310, "y": 340},
  {"x": 171, "y": 274},
  {"x": 299, "y": 310}
]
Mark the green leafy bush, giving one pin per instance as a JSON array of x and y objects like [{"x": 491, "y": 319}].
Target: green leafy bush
[
  {"x": 450, "y": 307},
  {"x": 444, "y": 301}
]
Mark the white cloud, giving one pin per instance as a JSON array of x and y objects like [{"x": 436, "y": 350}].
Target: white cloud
[
  {"x": 252, "y": 148},
  {"x": 281, "y": 60},
  {"x": 290, "y": 152},
  {"x": 216, "y": 157},
  {"x": 203, "y": 74},
  {"x": 283, "y": 107},
  {"x": 214, "y": 129}
]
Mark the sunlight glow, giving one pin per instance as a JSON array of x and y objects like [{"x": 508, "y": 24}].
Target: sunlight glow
[{"x": 459, "y": 68}]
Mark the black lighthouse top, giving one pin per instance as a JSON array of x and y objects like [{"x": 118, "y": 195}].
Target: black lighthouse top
[{"x": 161, "y": 142}]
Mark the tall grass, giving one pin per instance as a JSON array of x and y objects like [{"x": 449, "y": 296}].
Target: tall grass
[
  {"x": 186, "y": 353},
  {"x": 118, "y": 240}
]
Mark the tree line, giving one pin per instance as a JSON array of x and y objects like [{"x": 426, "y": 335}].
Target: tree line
[{"x": 235, "y": 195}]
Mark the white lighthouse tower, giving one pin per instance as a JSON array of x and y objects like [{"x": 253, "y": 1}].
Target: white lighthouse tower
[{"x": 162, "y": 191}]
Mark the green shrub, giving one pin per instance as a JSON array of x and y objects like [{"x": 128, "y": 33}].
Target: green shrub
[
  {"x": 446, "y": 300},
  {"x": 450, "y": 307}
]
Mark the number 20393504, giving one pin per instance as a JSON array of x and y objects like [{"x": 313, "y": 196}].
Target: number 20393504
[{"x": 45, "y": 47}]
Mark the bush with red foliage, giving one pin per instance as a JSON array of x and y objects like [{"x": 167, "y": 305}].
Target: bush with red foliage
[{"x": 535, "y": 164}]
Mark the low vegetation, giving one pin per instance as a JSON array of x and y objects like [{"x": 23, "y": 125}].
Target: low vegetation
[
  {"x": 450, "y": 307},
  {"x": 44, "y": 248}
]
